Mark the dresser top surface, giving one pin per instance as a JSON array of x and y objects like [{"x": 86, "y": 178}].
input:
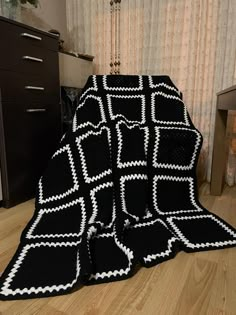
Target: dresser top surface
[
  {"x": 229, "y": 89},
  {"x": 6, "y": 20}
]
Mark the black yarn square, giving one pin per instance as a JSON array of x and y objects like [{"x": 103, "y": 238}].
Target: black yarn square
[
  {"x": 171, "y": 195},
  {"x": 52, "y": 268},
  {"x": 167, "y": 112},
  {"x": 100, "y": 251},
  {"x": 203, "y": 229},
  {"x": 131, "y": 145},
  {"x": 175, "y": 147},
  {"x": 102, "y": 201},
  {"x": 59, "y": 171},
  {"x": 88, "y": 112},
  {"x": 157, "y": 245},
  {"x": 136, "y": 197},
  {"x": 125, "y": 82},
  {"x": 96, "y": 153},
  {"x": 69, "y": 221},
  {"x": 131, "y": 108}
]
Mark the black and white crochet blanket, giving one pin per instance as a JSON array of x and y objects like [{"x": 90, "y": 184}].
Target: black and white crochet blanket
[{"x": 119, "y": 191}]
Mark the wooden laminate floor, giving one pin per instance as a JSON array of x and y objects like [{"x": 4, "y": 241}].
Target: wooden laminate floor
[{"x": 199, "y": 283}]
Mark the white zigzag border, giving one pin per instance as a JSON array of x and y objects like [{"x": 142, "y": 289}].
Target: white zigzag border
[
  {"x": 167, "y": 252},
  {"x": 144, "y": 224},
  {"x": 173, "y": 166},
  {"x": 120, "y": 145},
  {"x": 93, "y": 88},
  {"x": 87, "y": 178},
  {"x": 106, "y": 87},
  {"x": 152, "y": 85},
  {"x": 103, "y": 235},
  {"x": 43, "y": 212},
  {"x": 67, "y": 149},
  {"x": 157, "y": 178},
  {"x": 138, "y": 225},
  {"x": 201, "y": 245},
  {"x": 153, "y": 110},
  {"x": 6, "y": 285},
  {"x": 113, "y": 116},
  {"x": 88, "y": 123}
]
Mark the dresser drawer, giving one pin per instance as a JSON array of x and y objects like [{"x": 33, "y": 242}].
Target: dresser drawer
[
  {"x": 30, "y": 140},
  {"x": 28, "y": 59},
  {"x": 30, "y": 110},
  {"x": 15, "y": 36},
  {"x": 19, "y": 87}
]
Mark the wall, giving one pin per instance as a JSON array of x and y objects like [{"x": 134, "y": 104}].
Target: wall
[{"x": 50, "y": 14}]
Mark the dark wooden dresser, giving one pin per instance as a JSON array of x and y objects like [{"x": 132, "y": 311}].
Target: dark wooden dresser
[{"x": 30, "y": 110}]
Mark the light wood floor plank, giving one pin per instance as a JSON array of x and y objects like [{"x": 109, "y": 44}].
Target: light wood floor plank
[{"x": 198, "y": 288}]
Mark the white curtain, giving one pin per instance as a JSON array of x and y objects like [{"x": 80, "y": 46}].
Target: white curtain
[
  {"x": 89, "y": 30},
  {"x": 192, "y": 41}
]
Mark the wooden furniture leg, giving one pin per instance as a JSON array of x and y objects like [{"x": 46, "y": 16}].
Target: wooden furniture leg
[{"x": 219, "y": 152}]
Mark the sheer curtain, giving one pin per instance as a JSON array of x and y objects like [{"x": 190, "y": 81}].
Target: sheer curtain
[
  {"x": 89, "y": 30},
  {"x": 192, "y": 41}
]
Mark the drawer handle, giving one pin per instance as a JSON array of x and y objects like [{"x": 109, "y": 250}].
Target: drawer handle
[
  {"x": 32, "y": 58},
  {"x": 38, "y": 88},
  {"x": 27, "y": 35},
  {"x": 36, "y": 110}
]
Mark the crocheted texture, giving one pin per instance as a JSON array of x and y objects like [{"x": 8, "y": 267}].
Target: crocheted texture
[{"x": 119, "y": 191}]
